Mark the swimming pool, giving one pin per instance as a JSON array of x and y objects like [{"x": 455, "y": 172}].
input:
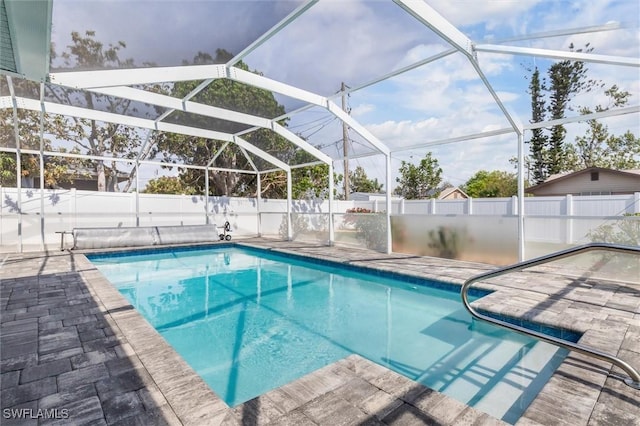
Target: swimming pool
[{"x": 249, "y": 320}]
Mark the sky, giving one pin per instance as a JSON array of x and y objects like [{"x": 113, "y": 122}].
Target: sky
[{"x": 356, "y": 41}]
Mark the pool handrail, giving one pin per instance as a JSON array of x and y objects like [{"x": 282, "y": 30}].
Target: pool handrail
[{"x": 634, "y": 377}]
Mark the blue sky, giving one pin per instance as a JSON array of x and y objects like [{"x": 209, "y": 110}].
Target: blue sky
[{"x": 357, "y": 40}]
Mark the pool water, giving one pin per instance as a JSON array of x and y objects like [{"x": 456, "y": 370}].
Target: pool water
[{"x": 248, "y": 321}]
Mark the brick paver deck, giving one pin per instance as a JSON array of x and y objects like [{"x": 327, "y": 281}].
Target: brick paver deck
[{"x": 73, "y": 351}]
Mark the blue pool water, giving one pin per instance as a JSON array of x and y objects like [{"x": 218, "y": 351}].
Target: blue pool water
[{"x": 248, "y": 321}]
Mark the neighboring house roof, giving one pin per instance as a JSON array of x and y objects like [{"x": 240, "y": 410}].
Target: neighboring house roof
[
  {"x": 449, "y": 191},
  {"x": 558, "y": 177}
]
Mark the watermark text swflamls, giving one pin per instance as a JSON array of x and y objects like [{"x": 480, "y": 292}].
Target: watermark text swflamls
[{"x": 30, "y": 413}]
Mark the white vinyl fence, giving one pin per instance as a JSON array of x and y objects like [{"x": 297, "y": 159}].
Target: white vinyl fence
[{"x": 472, "y": 229}]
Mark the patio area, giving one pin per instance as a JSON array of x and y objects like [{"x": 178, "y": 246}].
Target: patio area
[{"x": 74, "y": 351}]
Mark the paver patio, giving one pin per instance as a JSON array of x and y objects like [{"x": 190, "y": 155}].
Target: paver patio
[{"x": 74, "y": 349}]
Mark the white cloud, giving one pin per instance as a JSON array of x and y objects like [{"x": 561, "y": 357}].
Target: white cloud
[{"x": 362, "y": 110}]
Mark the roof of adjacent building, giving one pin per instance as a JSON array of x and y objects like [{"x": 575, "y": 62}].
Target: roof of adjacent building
[
  {"x": 567, "y": 175},
  {"x": 447, "y": 191}
]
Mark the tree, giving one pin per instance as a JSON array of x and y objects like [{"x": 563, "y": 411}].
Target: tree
[
  {"x": 57, "y": 170},
  {"x": 419, "y": 181},
  {"x": 28, "y": 133},
  {"x": 93, "y": 137},
  {"x": 496, "y": 183},
  {"x": 565, "y": 79},
  {"x": 538, "y": 141},
  {"x": 307, "y": 182},
  {"x": 167, "y": 185},
  {"x": 359, "y": 182},
  {"x": 236, "y": 96},
  {"x": 312, "y": 181},
  {"x": 598, "y": 147}
]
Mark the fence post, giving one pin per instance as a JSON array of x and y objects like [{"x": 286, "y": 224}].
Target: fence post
[
  {"x": 433, "y": 206},
  {"x": 402, "y": 206},
  {"x": 469, "y": 206},
  {"x": 636, "y": 203},
  {"x": 133, "y": 206},
  {"x": 73, "y": 208},
  {"x": 514, "y": 205},
  {"x": 375, "y": 206},
  {"x": 569, "y": 222}
]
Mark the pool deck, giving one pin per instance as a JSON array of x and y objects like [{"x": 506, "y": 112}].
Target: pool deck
[{"x": 74, "y": 351}]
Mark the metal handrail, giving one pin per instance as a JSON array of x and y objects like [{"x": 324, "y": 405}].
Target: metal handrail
[{"x": 634, "y": 378}]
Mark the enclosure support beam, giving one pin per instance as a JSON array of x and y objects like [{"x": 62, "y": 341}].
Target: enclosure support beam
[
  {"x": 41, "y": 158},
  {"x": 515, "y": 123},
  {"x": 332, "y": 235},
  {"x": 360, "y": 129},
  {"x": 397, "y": 72},
  {"x": 429, "y": 17},
  {"x": 137, "y": 164},
  {"x": 258, "y": 201},
  {"x": 182, "y": 105},
  {"x": 134, "y": 76},
  {"x": 206, "y": 195},
  {"x": 33, "y": 105},
  {"x": 210, "y": 111},
  {"x": 217, "y": 154},
  {"x": 255, "y": 169},
  {"x": 273, "y": 31},
  {"x": 387, "y": 179},
  {"x": 16, "y": 133},
  {"x": 521, "y": 253},
  {"x": 559, "y": 54},
  {"x": 299, "y": 142},
  {"x": 289, "y": 196}
]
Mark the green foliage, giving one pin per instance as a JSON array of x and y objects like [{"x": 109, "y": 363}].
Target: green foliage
[
  {"x": 168, "y": 185},
  {"x": 598, "y": 147},
  {"x": 371, "y": 228},
  {"x": 235, "y": 96},
  {"x": 359, "y": 182},
  {"x": 566, "y": 80},
  {"x": 57, "y": 170},
  {"x": 496, "y": 183},
  {"x": 7, "y": 169},
  {"x": 550, "y": 99},
  {"x": 421, "y": 181},
  {"x": 311, "y": 181},
  {"x": 625, "y": 230},
  {"x": 539, "y": 140},
  {"x": 90, "y": 136},
  {"x": 29, "y": 133}
]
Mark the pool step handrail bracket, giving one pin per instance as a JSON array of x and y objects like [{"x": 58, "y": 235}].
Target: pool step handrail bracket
[{"x": 634, "y": 377}]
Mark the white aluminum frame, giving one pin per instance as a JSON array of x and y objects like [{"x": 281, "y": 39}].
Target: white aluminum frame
[{"x": 116, "y": 83}]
